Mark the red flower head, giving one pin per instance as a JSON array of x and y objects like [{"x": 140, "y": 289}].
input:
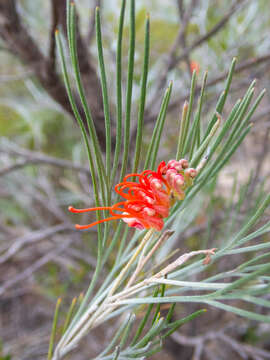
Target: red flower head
[
  {"x": 194, "y": 65},
  {"x": 148, "y": 200}
]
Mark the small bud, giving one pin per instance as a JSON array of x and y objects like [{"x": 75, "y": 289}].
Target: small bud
[
  {"x": 170, "y": 176},
  {"x": 191, "y": 173},
  {"x": 172, "y": 164},
  {"x": 178, "y": 182},
  {"x": 183, "y": 163}
]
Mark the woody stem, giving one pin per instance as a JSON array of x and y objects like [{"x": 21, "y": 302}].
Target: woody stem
[{"x": 131, "y": 261}]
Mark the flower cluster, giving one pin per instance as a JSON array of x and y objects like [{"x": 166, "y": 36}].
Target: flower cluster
[{"x": 149, "y": 199}]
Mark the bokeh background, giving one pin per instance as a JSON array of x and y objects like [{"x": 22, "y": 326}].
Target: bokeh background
[{"x": 43, "y": 166}]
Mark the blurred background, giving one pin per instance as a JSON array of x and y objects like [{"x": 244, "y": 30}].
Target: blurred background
[{"x": 43, "y": 166}]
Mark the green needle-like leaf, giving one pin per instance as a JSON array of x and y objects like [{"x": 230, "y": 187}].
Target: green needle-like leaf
[
  {"x": 157, "y": 129},
  {"x": 129, "y": 88},
  {"x": 54, "y": 328},
  {"x": 142, "y": 97},
  {"x": 119, "y": 109},
  {"x": 105, "y": 96}
]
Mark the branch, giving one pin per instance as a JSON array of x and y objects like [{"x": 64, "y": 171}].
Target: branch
[
  {"x": 236, "y": 5},
  {"x": 151, "y": 116},
  {"x": 52, "y": 45},
  {"x": 22, "y": 276},
  {"x": 173, "y": 59},
  {"x": 33, "y": 237},
  {"x": 245, "y": 351},
  {"x": 184, "y": 16},
  {"x": 260, "y": 159},
  {"x": 33, "y": 157},
  {"x": 20, "y": 43}
]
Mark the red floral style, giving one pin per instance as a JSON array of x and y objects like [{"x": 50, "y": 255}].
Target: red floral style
[{"x": 147, "y": 200}]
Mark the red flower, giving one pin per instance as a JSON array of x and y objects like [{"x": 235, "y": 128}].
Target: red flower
[
  {"x": 194, "y": 65},
  {"x": 148, "y": 201}
]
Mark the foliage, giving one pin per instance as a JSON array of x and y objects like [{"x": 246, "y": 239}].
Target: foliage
[{"x": 208, "y": 150}]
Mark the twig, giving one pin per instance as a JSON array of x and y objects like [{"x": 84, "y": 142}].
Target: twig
[
  {"x": 33, "y": 237},
  {"x": 20, "y": 76},
  {"x": 245, "y": 351},
  {"x": 184, "y": 16},
  {"x": 118, "y": 280},
  {"x": 52, "y": 43},
  {"x": 144, "y": 259},
  {"x": 235, "y": 6},
  {"x": 245, "y": 65},
  {"x": 262, "y": 155},
  {"x": 34, "y": 157},
  {"x": 34, "y": 267},
  {"x": 182, "y": 259},
  {"x": 88, "y": 259},
  {"x": 20, "y": 43},
  {"x": 111, "y": 302},
  {"x": 173, "y": 60}
]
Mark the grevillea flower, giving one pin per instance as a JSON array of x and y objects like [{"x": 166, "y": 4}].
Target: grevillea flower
[
  {"x": 194, "y": 65},
  {"x": 149, "y": 199}
]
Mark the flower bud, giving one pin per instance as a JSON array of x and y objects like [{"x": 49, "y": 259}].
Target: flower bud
[
  {"x": 178, "y": 181},
  {"x": 174, "y": 164},
  {"x": 183, "y": 163},
  {"x": 170, "y": 176},
  {"x": 191, "y": 173}
]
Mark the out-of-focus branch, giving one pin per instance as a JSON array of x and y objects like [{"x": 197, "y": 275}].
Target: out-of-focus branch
[
  {"x": 54, "y": 23},
  {"x": 261, "y": 157},
  {"x": 33, "y": 237},
  {"x": 22, "y": 276},
  {"x": 34, "y": 157},
  {"x": 184, "y": 15},
  {"x": 220, "y": 25},
  {"x": 199, "y": 343},
  {"x": 245, "y": 65},
  {"x": 173, "y": 59},
  {"x": 20, "y": 43}
]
